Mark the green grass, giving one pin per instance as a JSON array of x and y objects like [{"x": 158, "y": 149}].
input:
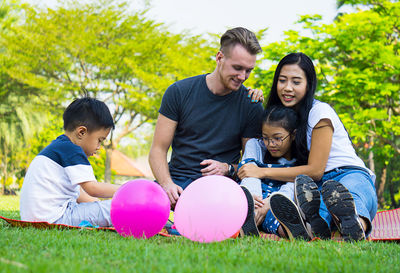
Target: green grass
[{"x": 33, "y": 250}]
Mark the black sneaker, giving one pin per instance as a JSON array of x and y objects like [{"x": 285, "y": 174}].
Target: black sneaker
[
  {"x": 249, "y": 227},
  {"x": 288, "y": 215},
  {"x": 308, "y": 199},
  {"x": 340, "y": 204}
]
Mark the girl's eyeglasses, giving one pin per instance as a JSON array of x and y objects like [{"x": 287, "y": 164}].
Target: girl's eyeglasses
[{"x": 275, "y": 140}]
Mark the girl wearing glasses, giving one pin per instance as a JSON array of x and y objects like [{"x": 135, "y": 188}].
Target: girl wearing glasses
[
  {"x": 276, "y": 148},
  {"x": 333, "y": 188}
]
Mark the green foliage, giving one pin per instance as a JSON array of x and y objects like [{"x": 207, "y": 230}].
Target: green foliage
[
  {"x": 43, "y": 138},
  {"x": 52, "y": 129},
  {"x": 19, "y": 121},
  {"x": 106, "y": 50},
  {"x": 102, "y": 49},
  {"x": 20, "y": 104},
  {"x": 98, "y": 164}
]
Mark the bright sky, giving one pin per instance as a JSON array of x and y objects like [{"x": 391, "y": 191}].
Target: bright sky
[{"x": 216, "y": 16}]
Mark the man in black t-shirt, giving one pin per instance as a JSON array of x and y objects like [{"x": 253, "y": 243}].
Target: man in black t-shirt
[{"x": 208, "y": 118}]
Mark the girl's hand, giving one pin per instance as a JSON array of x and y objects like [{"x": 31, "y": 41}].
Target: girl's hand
[
  {"x": 256, "y": 95},
  {"x": 260, "y": 213},
  {"x": 250, "y": 170},
  {"x": 258, "y": 201}
]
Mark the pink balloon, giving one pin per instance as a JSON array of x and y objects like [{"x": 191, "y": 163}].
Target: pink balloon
[
  {"x": 211, "y": 209},
  {"x": 140, "y": 208}
]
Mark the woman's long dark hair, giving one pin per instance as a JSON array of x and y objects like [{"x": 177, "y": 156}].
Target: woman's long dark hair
[
  {"x": 286, "y": 118},
  {"x": 304, "y": 106}
]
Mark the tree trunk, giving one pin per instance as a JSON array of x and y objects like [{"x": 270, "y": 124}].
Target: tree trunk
[
  {"x": 392, "y": 193},
  {"x": 392, "y": 181},
  {"x": 107, "y": 169},
  {"x": 3, "y": 188},
  {"x": 381, "y": 199},
  {"x": 371, "y": 163},
  {"x": 5, "y": 177}
]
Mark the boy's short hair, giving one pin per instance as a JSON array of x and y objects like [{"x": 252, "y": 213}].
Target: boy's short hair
[
  {"x": 241, "y": 36},
  {"x": 88, "y": 112}
]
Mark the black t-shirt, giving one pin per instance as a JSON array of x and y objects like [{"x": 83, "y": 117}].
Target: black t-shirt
[{"x": 209, "y": 126}]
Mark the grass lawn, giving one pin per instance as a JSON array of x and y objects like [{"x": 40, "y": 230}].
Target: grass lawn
[{"x": 33, "y": 250}]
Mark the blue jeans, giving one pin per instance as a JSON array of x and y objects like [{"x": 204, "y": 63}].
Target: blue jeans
[{"x": 361, "y": 186}]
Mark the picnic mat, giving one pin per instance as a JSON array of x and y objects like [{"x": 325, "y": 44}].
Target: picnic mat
[
  {"x": 46, "y": 225},
  {"x": 385, "y": 227}
]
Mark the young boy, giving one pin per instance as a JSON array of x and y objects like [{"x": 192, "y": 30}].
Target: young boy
[{"x": 60, "y": 186}]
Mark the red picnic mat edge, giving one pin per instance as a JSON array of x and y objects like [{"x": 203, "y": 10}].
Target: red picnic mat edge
[
  {"x": 376, "y": 234},
  {"x": 386, "y": 226},
  {"x": 47, "y": 225}
]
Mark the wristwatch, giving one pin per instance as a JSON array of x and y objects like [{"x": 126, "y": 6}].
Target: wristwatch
[{"x": 231, "y": 170}]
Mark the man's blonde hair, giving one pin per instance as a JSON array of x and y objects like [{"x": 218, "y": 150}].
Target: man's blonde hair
[{"x": 241, "y": 36}]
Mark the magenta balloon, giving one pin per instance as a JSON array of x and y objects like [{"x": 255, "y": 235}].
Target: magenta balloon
[
  {"x": 211, "y": 209},
  {"x": 140, "y": 208}
]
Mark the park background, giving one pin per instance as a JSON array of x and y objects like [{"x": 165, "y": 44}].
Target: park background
[{"x": 127, "y": 55}]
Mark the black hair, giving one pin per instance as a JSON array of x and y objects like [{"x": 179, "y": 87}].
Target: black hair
[
  {"x": 88, "y": 112},
  {"x": 304, "y": 106},
  {"x": 286, "y": 118}
]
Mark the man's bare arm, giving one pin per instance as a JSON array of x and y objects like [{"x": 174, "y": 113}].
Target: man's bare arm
[{"x": 163, "y": 136}]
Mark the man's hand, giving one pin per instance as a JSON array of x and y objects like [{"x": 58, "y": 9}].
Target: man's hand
[
  {"x": 173, "y": 191},
  {"x": 256, "y": 95},
  {"x": 250, "y": 170},
  {"x": 214, "y": 167}
]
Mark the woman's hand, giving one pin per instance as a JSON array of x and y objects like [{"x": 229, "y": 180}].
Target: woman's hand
[
  {"x": 250, "y": 170},
  {"x": 256, "y": 95}
]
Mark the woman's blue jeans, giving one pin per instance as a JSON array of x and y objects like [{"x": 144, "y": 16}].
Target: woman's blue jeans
[{"x": 361, "y": 186}]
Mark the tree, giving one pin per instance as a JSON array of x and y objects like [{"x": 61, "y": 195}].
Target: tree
[
  {"x": 19, "y": 118},
  {"x": 106, "y": 51},
  {"x": 358, "y": 66}
]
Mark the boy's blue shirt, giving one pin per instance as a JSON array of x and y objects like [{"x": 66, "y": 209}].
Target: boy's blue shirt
[{"x": 65, "y": 153}]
